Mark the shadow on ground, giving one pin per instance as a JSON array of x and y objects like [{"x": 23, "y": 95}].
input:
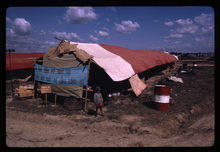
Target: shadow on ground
[
  {"x": 91, "y": 112},
  {"x": 149, "y": 104}
]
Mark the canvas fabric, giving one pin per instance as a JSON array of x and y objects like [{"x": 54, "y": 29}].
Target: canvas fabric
[
  {"x": 137, "y": 85},
  {"x": 116, "y": 67},
  {"x": 82, "y": 55},
  {"x": 63, "y": 47},
  {"x": 66, "y": 61}
]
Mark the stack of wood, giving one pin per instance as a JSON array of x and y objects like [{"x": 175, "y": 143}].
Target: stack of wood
[{"x": 25, "y": 91}]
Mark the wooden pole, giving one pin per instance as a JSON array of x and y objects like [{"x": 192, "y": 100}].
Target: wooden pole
[
  {"x": 46, "y": 98},
  {"x": 34, "y": 90},
  {"x": 55, "y": 98},
  {"x": 87, "y": 86}
]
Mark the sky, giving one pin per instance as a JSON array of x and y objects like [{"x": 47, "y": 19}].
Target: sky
[{"x": 188, "y": 29}]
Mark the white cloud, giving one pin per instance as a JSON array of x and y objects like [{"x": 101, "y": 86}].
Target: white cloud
[
  {"x": 126, "y": 26},
  {"x": 20, "y": 26},
  {"x": 59, "y": 21},
  {"x": 182, "y": 22},
  {"x": 10, "y": 33},
  {"x": 46, "y": 44},
  {"x": 101, "y": 33},
  {"x": 98, "y": 23},
  {"x": 166, "y": 40},
  {"x": 159, "y": 48},
  {"x": 205, "y": 19},
  {"x": 199, "y": 39},
  {"x": 168, "y": 23},
  {"x": 67, "y": 36},
  {"x": 185, "y": 26},
  {"x": 113, "y": 9},
  {"x": 177, "y": 42},
  {"x": 174, "y": 36},
  {"x": 156, "y": 21},
  {"x": 42, "y": 32},
  {"x": 191, "y": 29},
  {"x": 25, "y": 44},
  {"x": 107, "y": 19},
  {"x": 80, "y": 15},
  {"x": 92, "y": 38},
  {"x": 106, "y": 29},
  {"x": 9, "y": 21},
  {"x": 207, "y": 30}
]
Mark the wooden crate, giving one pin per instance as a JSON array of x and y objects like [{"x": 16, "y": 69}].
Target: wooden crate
[{"x": 25, "y": 91}]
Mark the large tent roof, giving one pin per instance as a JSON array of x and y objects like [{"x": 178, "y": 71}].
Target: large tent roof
[
  {"x": 20, "y": 60},
  {"x": 141, "y": 60},
  {"x": 119, "y": 63}
]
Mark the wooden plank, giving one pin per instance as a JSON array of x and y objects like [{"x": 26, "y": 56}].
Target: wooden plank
[
  {"x": 88, "y": 90},
  {"x": 27, "y": 93},
  {"x": 86, "y": 99}
]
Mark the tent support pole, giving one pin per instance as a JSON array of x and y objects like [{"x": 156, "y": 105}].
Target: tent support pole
[
  {"x": 55, "y": 98},
  {"x": 87, "y": 86},
  {"x": 46, "y": 98},
  {"x": 34, "y": 90}
]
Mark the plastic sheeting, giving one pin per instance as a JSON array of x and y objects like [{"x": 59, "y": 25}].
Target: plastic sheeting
[{"x": 63, "y": 76}]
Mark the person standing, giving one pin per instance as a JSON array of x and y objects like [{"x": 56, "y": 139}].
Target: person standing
[{"x": 98, "y": 99}]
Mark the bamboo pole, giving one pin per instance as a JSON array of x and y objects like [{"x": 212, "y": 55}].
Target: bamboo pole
[
  {"x": 34, "y": 90},
  {"x": 46, "y": 98},
  {"x": 55, "y": 98},
  {"x": 87, "y": 86}
]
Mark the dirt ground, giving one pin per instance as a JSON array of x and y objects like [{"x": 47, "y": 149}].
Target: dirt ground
[{"x": 133, "y": 122}]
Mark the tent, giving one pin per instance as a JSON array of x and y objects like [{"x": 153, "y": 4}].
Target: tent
[
  {"x": 111, "y": 68},
  {"x": 113, "y": 64},
  {"x": 121, "y": 63},
  {"x": 21, "y": 60},
  {"x": 21, "y": 64}
]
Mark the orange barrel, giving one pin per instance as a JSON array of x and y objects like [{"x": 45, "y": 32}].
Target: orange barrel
[{"x": 161, "y": 97}]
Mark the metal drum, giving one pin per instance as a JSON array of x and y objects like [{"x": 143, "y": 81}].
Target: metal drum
[{"x": 161, "y": 97}]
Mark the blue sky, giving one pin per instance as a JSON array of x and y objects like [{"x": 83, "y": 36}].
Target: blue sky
[{"x": 175, "y": 29}]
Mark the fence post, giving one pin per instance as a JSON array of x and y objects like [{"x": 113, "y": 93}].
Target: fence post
[{"x": 87, "y": 86}]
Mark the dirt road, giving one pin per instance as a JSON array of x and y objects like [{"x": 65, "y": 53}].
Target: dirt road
[
  {"x": 132, "y": 123},
  {"x": 31, "y": 130}
]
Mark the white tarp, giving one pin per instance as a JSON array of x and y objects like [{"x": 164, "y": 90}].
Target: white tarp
[
  {"x": 116, "y": 67},
  {"x": 173, "y": 78}
]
